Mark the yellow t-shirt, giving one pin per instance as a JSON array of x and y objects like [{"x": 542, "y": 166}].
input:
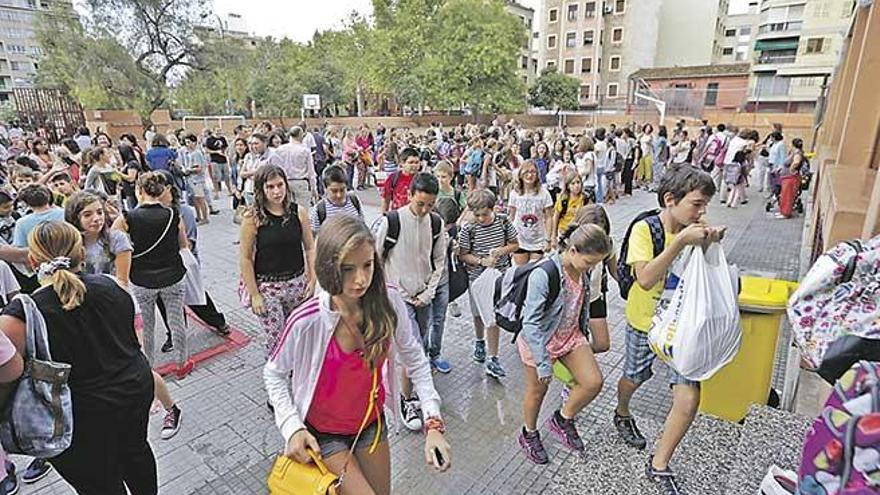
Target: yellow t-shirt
[
  {"x": 641, "y": 303},
  {"x": 573, "y": 205}
]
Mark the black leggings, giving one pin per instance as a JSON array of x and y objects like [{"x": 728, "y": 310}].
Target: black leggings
[
  {"x": 110, "y": 451},
  {"x": 207, "y": 313}
]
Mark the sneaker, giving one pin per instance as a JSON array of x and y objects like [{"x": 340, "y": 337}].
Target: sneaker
[
  {"x": 566, "y": 432},
  {"x": 531, "y": 443},
  {"x": 494, "y": 368},
  {"x": 441, "y": 365},
  {"x": 480, "y": 351},
  {"x": 223, "y": 330},
  {"x": 168, "y": 346},
  {"x": 665, "y": 478},
  {"x": 184, "y": 370},
  {"x": 171, "y": 424},
  {"x": 454, "y": 310},
  {"x": 564, "y": 393},
  {"x": 410, "y": 412},
  {"x": 215, "y": 212},
  {"x": 36, "y": 470},
  {"x": 626, "y": 427},
  {"x": 9, "y": 484}
]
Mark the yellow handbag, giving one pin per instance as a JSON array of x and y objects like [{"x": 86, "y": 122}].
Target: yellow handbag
[{"x": 289, "y": 477}]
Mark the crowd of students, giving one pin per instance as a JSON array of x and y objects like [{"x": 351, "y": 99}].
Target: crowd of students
[{"x": 354, "y": 315}]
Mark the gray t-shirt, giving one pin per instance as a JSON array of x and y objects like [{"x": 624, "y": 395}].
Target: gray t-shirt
[{"x": 101, "y": 255}]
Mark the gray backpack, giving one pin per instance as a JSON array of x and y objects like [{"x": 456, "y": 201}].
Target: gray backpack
[{"x": 38, "y": 420}]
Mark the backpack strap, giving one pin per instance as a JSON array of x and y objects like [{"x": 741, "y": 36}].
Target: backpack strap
[
  {"x": 436, "y": 227},
  {"x": 356, "y": 201},
  {"x": 392, "y": 234},
  {"x": 321, "y": 209},
  {"x": 850, "y": 269},
  {"x": 395, "y": 178},
  {"x": 658, "y": 236},
  {"x": 564, "y": 208},
  {"x": 554, "y": 279}
]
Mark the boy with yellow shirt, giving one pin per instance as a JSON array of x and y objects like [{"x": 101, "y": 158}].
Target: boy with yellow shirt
[{"x": 684, "y": 194}]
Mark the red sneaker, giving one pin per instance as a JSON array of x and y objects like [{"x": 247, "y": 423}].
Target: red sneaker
[{"x": 186, "y": 369}]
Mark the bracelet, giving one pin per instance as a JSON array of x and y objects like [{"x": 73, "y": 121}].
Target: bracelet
[{"x": 435, "y": 423}]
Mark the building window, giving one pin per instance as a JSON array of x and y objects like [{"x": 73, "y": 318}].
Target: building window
[
  {"x": 729, "y": 32},
  {"x": 586, "y": 65},
  {"x": 815, "y": 45},
  {"x": 588, "y": 37},
  {"x": 614, "y": 63},
  {"x": 569, "y": 66},
  {"x": 728, "y": 50},
  {"x": 585, "y": 92},
  {"x": 570, "y": 40},
  {"x": 711, "y": 94},
  {"x": 551, "y": 41},
  {"x": 553, "y": 16},
  {"x": 612, "y": 90},
  {"x": 619, "y": 6},
  {"x": 745, "y": 31},
  {"x": 599, "y": 65},
  {"x": 17, "y": 49},
  {"x": 551, "y": 65},
  {"x": 589, "y": 10},
  {"x": 525, "y": 63},
  {"x": 573, "y": 12},
  {"x": 617, "y": 35}
]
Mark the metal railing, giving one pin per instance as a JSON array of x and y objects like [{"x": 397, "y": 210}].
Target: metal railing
[
  {"x": 780, "y": 27},
  {"x": 776, "y": 59}
]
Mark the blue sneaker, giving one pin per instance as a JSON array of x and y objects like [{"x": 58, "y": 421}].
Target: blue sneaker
[
  {"x": 441, "y": 365},
  {"x": 480, "y": 351},
  {"x": 494, "y": 368},
  {"x": 36, "y": 470},
  {"x": 9, "y": 484}
]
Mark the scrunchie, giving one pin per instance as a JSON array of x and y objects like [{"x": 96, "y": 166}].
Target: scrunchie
[{"x": 49, "y": 267}]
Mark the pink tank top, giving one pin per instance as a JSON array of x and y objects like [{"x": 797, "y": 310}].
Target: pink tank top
[{"x": 343, "y": 392}]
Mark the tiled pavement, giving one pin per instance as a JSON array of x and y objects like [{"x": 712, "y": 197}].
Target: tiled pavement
[{"x": 228, "y": 440}]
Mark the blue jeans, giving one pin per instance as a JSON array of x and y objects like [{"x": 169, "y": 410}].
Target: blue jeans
[
  {"x": 600, "y": 186},
  {"x": 420, "y": 320},
  {"x": 438, "y": 309}
]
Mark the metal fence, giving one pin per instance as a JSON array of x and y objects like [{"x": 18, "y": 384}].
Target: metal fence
[{"x": 49, "y": 108}]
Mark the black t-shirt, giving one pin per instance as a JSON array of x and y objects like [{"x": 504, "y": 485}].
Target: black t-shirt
[
  {"x": 525, "y": 149},
  {"x": 128, "y": 187},
  {"x": 162, "y": 266},
  {"x": 216, "y": 148},
  {"x": 98, "y": 340}
]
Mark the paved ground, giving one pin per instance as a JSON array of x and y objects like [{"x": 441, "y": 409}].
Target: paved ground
[{"x": 228, "y": 440}]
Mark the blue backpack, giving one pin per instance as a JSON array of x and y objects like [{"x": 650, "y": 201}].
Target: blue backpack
[
  {"x": 474, "y": 163},
  {"x": 626, "y": 275}
]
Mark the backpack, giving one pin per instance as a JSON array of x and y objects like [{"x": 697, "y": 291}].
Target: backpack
[
  {"x": 720, "y": 151},
  {"x": 511, "y": 290},
  {"x": 322, "y": 206},
  {"x": 841, "y": 452},
  {"x": 834, "y": 318},
  {"x": 625, "y": 272},
  {"x": 474, "y": 163},
  {"x": 393, "y": 233}
]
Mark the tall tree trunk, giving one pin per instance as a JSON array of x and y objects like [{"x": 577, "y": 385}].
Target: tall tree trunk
[{"x": 359, "y": 92}]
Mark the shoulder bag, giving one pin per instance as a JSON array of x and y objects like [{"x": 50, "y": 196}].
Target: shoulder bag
[{"x": 161, "y": 237}]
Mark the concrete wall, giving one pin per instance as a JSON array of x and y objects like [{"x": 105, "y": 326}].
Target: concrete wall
[
  {"x": 732, "y": 90},
  {"x": 687, "y": 34}
]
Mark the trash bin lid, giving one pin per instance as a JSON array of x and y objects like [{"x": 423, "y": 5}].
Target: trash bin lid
[{"x": 765, "y": 295}]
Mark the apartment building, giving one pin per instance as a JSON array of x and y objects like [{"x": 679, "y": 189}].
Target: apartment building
[
  {"x": 797, "y": 44},
  {"x": 19, "y": 50},
  {"x": 737, "y": 35},
  {"x": 528, "y": 66},
  {"x": 603, "y": 42}
]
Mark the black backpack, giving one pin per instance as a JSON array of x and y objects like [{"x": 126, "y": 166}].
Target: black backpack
[
  {"x": 322, "y": 207},
  {"x": 658, "y": 239},
  {"x": 511, "y": 290},
  {"x": 393, "y": 233}
]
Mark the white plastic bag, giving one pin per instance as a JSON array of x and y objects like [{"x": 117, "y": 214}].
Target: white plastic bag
[
  {"x": 195, "y": 286},
  {"x": 483, "y": 294},
  {"x": 778, "y": 481},
  {"x": 699, "y": 331}
]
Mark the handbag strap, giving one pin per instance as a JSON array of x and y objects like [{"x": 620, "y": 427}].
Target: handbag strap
[
  {"x": 161, "y": 237},
  {"x": 37, "y": 341},
  {"x": 371, "y": 405}
]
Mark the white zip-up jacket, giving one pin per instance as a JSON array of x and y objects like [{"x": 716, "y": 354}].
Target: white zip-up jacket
[{"x": 292, "y": 371}]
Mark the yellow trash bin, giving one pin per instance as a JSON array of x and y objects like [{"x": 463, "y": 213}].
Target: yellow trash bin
[{"x": 746, "y": 379}]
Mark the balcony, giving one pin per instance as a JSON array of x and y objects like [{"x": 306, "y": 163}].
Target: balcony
[
  {"x": 772, "y": 30},
  {"x": 774, "y": 59}
]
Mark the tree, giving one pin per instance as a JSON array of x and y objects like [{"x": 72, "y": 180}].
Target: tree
[
  {"x": 474, "y": 57},
  {"x": 125, "y": 53},
  {"x": 555, "y": 91},
  {"x": 223, "y": 84}
]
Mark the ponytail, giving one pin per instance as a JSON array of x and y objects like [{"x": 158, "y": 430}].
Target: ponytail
[
  {"x": 58, "y": 248},
  {"x": 70, "y": 289}
]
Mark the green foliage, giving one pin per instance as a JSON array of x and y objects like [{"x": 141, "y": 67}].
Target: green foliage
[
  {"x": 8, "y": 113},
  {"x": 555, "y": 91}
]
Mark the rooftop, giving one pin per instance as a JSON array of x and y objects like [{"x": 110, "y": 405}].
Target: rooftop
[{"x": 692, "y": 71}]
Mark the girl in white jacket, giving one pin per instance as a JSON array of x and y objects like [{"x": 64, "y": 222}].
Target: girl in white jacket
[{"x": 334, "y": 366}]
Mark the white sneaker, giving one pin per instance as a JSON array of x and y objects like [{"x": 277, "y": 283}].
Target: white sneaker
[{"x": 411, "y": 413}]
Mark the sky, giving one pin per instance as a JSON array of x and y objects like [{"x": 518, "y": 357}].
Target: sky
[{"x": 298, "y": 19}]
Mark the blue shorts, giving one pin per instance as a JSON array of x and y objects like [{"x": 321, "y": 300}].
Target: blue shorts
[{"x": 639, "y": 358}]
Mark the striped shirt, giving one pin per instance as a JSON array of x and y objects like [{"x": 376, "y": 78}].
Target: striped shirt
[
  {"x": 479, "y": 240},
  {"x": 332, "y": 210}
]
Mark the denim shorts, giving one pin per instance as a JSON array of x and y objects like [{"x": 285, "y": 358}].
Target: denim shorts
[
  {"x": 331, "y": 443},
  {"x": 639, "y": 358}
]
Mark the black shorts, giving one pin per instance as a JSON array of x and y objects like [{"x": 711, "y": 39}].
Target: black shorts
[
  {"x": 598, "y": 308},
  {"x": 527, "y": 251}
]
